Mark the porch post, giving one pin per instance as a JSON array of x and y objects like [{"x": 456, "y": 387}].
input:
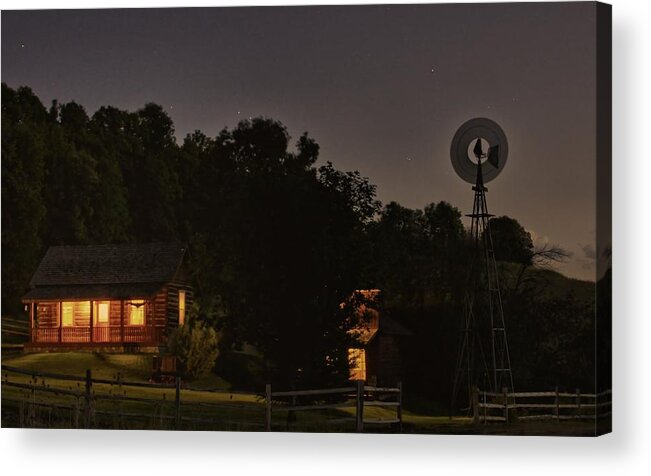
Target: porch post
[
  {"x": 149, "y": 308},
  {"x": 91, "y": 321},
  {"x": 60, "y": 321},
  {"x": 122, "y": 321},
  {"x": 31, "y": 321}
]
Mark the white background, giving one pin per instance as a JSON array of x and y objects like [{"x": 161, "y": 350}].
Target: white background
[{"x": 626, "y": 451}]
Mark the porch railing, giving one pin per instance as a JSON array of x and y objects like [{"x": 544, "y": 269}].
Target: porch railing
[{"x": 101, "y": 334}]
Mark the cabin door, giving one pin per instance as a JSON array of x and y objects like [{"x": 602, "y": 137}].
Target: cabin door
[{"x": 101, "y": 322}]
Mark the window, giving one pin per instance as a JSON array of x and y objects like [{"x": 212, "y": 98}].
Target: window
[
  {"x": 82, "y": 313},
  {"x": 181, "y": 307},
  {"x": 357, "y": 359},
  {"x": 137, "y": 313},
  {"x": 102, "y": 317},
  {"x": 67, "y": 314}
]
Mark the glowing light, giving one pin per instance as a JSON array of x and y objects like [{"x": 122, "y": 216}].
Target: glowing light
[
  {"x": 357, "y": 359},
  {"x": 137, "y": 313},
  {"x": 67, "y": 314},
  {"x": 102, "y": 312},
  {"x": 181, "y": 307}
]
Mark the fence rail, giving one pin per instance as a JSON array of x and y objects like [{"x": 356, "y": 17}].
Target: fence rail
[
  {"x": 93, "y": 397},
  {"x": 356, "y": 397},
  {"x": 14, "y": 327},
  {"x": 90, "y": 392},
  {"x": 507, "y": 406}
]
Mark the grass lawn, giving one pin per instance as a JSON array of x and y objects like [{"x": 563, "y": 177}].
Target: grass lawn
[{"x": 201, "y": 409}]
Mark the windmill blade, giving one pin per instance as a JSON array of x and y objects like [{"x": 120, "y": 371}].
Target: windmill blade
[
  {"x": 494, "y": 156},
  {"x": 466, "y": 149}
]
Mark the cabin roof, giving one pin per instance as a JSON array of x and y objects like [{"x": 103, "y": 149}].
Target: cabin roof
[
  {"x": 93, "y": 291},
  {"x": 390, "y": 327},
  {"x": 119, "y": 270}
]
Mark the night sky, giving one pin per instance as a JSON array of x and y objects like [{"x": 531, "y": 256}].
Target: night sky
[{"x": 382, "y": 89}]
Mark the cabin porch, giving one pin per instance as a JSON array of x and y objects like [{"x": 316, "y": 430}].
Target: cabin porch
[{"x": 73, "y": 324}]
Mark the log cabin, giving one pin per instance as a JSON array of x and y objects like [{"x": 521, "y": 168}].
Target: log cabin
[
  {"x": 108, "y": 297},
  {"x": 377, "y": 360}
]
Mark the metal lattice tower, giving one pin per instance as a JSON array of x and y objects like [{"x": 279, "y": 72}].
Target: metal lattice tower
[{"x": 483, "y": 359}]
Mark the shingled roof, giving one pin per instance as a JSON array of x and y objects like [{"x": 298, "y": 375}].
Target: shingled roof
[{"x": 110, "y": 271}]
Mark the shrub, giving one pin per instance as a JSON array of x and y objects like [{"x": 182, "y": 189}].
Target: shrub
[{"x": 195, "y": 345}]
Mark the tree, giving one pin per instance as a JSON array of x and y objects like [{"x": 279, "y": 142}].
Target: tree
[
  {"x": 417, "y": 254},
  {"x": 24, "y": 144},
  {"x": 284, "y": 245},
  {"x": 151, "y": 177},
  {"x": 195, "y": 345},
  {"x": 108, "y": 219},
  {"x": 511, "y": 241}
]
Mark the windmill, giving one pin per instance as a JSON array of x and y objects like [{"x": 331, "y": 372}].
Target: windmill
[{"x": 483, "y": 359}]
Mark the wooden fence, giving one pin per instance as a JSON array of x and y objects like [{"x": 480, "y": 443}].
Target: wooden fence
[
  {"x": 14, "y": 327},
  {"x": 99, "y": 403},
  {"x": 357, "y": 397},
  {"x": 507, "y": 407},
  {"x": 90, "y": 402}
]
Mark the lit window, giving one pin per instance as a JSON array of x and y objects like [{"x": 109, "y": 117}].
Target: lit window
[
  {"x": 102, "y": 313},
  {"x": 181, "y": 307},
  {"x": 357, "y": 359},
  {"x": 68, "y": 314},
  {"x": 82, "y": 313},
  {"x": 137, "y": 313}
]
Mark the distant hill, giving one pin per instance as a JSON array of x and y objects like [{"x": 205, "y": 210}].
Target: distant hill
[{"x": 553, "y": 284}]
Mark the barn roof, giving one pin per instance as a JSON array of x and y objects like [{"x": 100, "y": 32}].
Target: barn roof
[{"x": 117, "y": 271}]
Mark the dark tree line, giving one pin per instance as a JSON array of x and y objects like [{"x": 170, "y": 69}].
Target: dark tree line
[{"x": 277, "y": 242}]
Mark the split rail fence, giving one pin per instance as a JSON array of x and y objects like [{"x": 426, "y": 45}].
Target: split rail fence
[
  {"x": 506, "y": 407},
  {"x": 47, "y": 399},
  {"x": 358, "y": 397},
  {"x": 88, "y": 402},
  {"x": 14, "y": 327}
]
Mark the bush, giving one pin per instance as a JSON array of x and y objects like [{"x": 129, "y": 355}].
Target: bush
[{"x": 195, "y": 345}]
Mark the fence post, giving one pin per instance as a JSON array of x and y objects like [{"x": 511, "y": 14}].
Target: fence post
[
  {"x": 505, "y": 392},
  {"x": 558, "y": 408},
  {"x": 177, "y": 402},
  {"x": 267, "y": 421},
  {"x": 32, "y": 403},
  {"x": 76, "y": 416},
  {"x": 400, "y": 406},
  {"x": 88, "y": 397},
  {"x": 578, "y": 403},
  {"x": 360, "y": 405},
  {"x": 475, "y": 405}
]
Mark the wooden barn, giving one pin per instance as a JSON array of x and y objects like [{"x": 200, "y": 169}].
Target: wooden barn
[
  {"x": 114, "y": 297},
  {"x": 378, "y": 359}
]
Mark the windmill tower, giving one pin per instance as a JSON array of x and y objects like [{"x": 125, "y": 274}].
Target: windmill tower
[{"x": 478, "y": 152}]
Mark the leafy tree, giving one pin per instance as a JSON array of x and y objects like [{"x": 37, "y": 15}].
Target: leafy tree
[
  {"x": 70, "y": 179},
  {"x": 195, "y": 345},
  {"x": 284, "y": 246},
  {"x": 511, "y": 241},
  {"x": 151, "y": 177},
  {"x": 24, "y": 144},
  {"x": 417, "y": 254}
]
